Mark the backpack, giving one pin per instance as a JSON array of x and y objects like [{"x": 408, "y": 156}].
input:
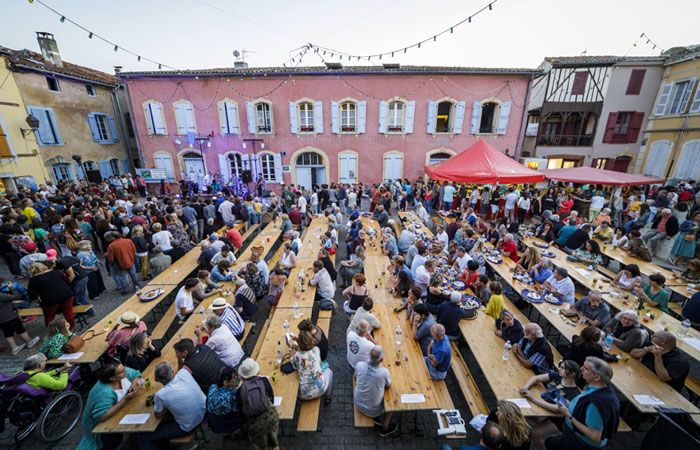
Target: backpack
[{"x": 254, "y": 398}]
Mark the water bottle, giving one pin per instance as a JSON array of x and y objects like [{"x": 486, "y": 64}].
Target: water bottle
[
  {"x": 285, "y": 325},
  {"x": 607, "y": 344},
  {"x": 296, "y": 310},
  {"x": 138, "y": 292},
  {"x": 399, "y": 336},
  {"x": 280, "y": 354},
  {"x": 506, "y": 351},
  {"x": 685, "y": 326},
  {"x": 202, "y": 315}
]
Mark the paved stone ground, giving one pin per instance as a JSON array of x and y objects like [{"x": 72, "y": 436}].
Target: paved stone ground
[{"x": 336, "y": 429}]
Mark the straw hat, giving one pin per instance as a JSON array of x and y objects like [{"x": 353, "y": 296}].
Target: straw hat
[
  {"x": 248, "y": 368},
  {"x": 218, "y": 303},
  {"x": 128, "y": 319}
]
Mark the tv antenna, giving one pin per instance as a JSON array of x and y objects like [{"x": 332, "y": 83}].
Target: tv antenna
[{"x": 241, "y": 55}]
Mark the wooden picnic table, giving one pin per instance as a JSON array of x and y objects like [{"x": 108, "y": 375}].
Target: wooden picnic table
[
  {"x": 95, "y": 347},
  {"x": 615, "y": 297},
  {"x": 630, "y": 378},
  {"x": 411, "y": 375},
  {"x": 374, "y": 246},
  {"x": 412, "y": 217},
  {"x": 137, "y": 405},
  {"x": 180, "y": 269},
  {"x": 505, "y": 377},
  {"x": 286, "y": 387},
  {"x": 674, "y": 283},
  {"x": 265, "y": 238}
]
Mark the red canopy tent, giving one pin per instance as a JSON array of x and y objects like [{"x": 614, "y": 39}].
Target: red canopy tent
[
  {"x": 591, "y": 175},
  {"x": 483, "y": 164}
]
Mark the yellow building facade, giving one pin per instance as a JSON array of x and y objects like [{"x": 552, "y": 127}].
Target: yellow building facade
[
  {"x": 20, "y": 160},
  {"x": 671, "y": 146}
]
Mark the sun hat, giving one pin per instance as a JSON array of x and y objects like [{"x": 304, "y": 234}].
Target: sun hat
[
  {"x": 218, "y": 303},
  {"x": 128, "y": 318},
  {"x": 51, "y": 254},
  {"x": 248, "y": 368}
]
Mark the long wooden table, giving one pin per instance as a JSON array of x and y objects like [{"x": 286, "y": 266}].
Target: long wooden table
[
  {"x": 676, "y": 285},
  {"x": 412, "y": 217},
  {"x": 630, "y": 378},
  {"x": 616, "y": 298},
  {"x": 411, "y": 375},
  {"x": 137, "y": 405}
]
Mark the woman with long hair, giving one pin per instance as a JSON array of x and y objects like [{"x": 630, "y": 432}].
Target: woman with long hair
[{"x": 508, "y": 415}]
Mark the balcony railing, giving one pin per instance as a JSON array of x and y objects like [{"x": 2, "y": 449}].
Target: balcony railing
[{"x": 585, "y": 140}]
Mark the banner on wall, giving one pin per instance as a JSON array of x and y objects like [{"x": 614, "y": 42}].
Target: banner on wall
[{"x": 152, "y": 175}]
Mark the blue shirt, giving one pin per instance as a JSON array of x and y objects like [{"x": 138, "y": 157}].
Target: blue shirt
[
  {"x": 418, "y": 260},
  {"x": 443, "y": 353},
  {"x": 184, "y": 399},
  {"x": 544, "y": 274},
  {"x": 564, "y": 233},
  {"x": 593, "y": 418}
]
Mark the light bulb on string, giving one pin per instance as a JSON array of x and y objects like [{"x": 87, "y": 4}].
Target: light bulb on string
[
  {"x": 469, "y": 19},
  {"x": 138, "y": 58},
  {"x": 63, "y": 19},
  {"x": 419, "y": 45},
  {"x": 434, "y": 38},
  {"x": 160, "y": 66},
  {"x": 452, "y": 30},
  {"x": 90, "y": 35},
  {"x": 490, "y": 7},
  {"x": 116, "y": 47}
]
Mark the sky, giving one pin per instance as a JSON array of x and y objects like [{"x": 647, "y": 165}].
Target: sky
[{"x": 188, "y": 34}]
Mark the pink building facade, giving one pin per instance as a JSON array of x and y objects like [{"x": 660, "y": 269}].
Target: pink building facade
[{"x": 318, "y": 125}]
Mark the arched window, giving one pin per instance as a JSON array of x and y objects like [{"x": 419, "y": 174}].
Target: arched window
[
  {"x": 309, "y": 159},
  {"x": 348, "y": 116},
  {"x": 306, "y": 117},
  {"x": 267, "y": 168},
  {"x": 263, "y": 117},
  {"x": 439, "y": 157},
  {"x": 395, "y": 117}
]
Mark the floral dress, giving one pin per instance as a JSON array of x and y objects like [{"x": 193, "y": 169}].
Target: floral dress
[
  {"x": 52, "y": 347},
  {"x": 597, "y": 259},
  {"x": 312, "y": 380},
  {"x": 180, "y": 238}
]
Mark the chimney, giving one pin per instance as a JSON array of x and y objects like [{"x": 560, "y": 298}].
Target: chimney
[
  {"x": 240, "y": 65},
  {"x": 49, "y": 48}
]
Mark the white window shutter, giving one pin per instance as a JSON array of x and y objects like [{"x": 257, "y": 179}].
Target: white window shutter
[
  {"x": 158, "y": 120},
  {"x": 686, "y": 96},
  {"x": 458, "y": 122},
  {"x": 335, "y": 118},
  {"x": 278, "y": 168},
  {"x": 695, "y": 106},
  {"x": 250, "y": 113},
  {"x": 432, "y": 117},
  {"x": 664, "y": 96},
  {"x": 149, "y": 118},
  {"x": 476, "y": 117},
  {"x": 92, "y": 122},
  {"x": 318, "y": 117},
  {"x": 503, "y": 116},
  {"x": 223, "y": 121},
  {"x": 180, "y": 118},
  {"x": 408, "y": 118},
  {"x": 233, "y": 122},
  {"x": 293, "y": 118},
  {"x": 362, "y": 116},
  {"x": 189, "y": 118},
  {"x": 383, "y": 113},
  {"x": 224, "y": 169}
]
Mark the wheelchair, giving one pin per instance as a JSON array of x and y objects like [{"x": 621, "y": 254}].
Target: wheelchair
[{"x": 52, "y": 414}]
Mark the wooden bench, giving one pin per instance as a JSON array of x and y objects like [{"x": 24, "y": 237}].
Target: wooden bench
[
  {"x": 77, "y": 311},
  {"x": 249, "y": 232},
  {"x": 676, "y": 307},
  {"x": 467, "y": 384},
  {"x": 164, "y": 323},
  {"x": 310, "y": 409},
  {"x": 246, "y": 331},
  {"x": 605, "y": 271},
  {"x": 261, "y": 339},
  {"x": 361, "y": 420},
  {"x": 693, "y": 386}
]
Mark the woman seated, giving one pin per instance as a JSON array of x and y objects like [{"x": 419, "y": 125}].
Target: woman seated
[
  {"x": 205, "y": 288},
  {"x": 221, "y": 273},
  {"x": 58, "y": 333},
  {"x": 317, "y": 336},
  {"x": 306, "y": 359},
  {"x": 509, "y": 328},
  {"x": 627, "y": 332},
  {"x": 508, "y": 415},
  {"x": 328, "y": 242},
  {"x": 278, "y": 280},
  {"x": 402, "y": 286},
  {"x": 691, "y": 274},
  {"x": 40, "y": 378},
  {"x": 477, "y": 254},
  {"x": 585, "y": 345},
  {"x": 141, "y": 352},
  {"x": 222, "y": 409},
  {"x": 589, "y": 254},
  {"x": 352, "y": 266},
  {"x": 470, "y": 275},
  {"x": 288, "y": 259},
  {"x": 529, "y": 259},
  {"x": 637, "y": 248},
  {"x": 255, "y": 280},
  {"x": 128, "y": 324},
  {"x": 604, "y": 216},
  {"x": 545, "y": 232},
  {"x": 629, "y": 278},
  {"x": 562, "y": 384},
  {"x": 654, "y": 293},
  {"x": 435, "y": 294},
  {"x": 620, "y": 238},
  {"x": 355, "y": 294}
]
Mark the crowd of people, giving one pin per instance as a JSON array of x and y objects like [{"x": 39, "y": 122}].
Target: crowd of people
[{"x": 58, "y": 240}]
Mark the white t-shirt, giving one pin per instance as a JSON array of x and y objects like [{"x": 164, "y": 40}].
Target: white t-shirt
[
  {"x": 474, "y": 197},
  {"x": 352, "y": 199},
  {"x": 524, "y": 203},
  {"x": 448, "y": 193},
  {"x": 462, "y": 262},
  {"x": 226, "y": 346},
  {"x": 511, "y": 198},
  {"x": 301, "y": 202},
  {"x": 225, "y": 209},
  {"x": 183, "y": 300},
  {"x": 358, "y": 348},
  {"x": 597, "y": 202},
  {"x": 162, "y": 238}
]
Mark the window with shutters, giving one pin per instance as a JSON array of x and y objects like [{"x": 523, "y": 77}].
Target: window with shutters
[
  {"x": 47, "y": 133},
  {"x": 61, "y": 171},
  {"x": 634, "y": 85},
  {"x": 52, "y": 84},
  {"x": 90, "y": 89},
  {"x": 679, "y": 96},
  {"x": 578, "y": 87},
  {"x": 267, "y": 167},
  {"x": 445, "y": 117},
  {"x": 155, "y": 120},
  {"x": 115, "y": 165},
  {"x": 348, "y": 117},
  {"x": 184, "y": 117},
  {"x": 306, "y": 117},
  {"x": 263, "y": 117},
  {"x": 89, "y": 166},
  {"x": 395, "y": 116},
  {"x": 236, "y": 163},
  {"x": 622, "y": 127},
  {"x": 5, "y": 149},
  {"x": 688, "y": 166},
  {"x": 488, "y": 115},
  {"x": 102, "y": 126},
  {"x": 228, "y": 117}
]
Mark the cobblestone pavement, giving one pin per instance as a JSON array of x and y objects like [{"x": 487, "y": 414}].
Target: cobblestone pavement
[{"x": 336, "y": 428}]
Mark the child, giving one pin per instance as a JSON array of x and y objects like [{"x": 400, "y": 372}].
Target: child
[{"x": 495, "y": 305}]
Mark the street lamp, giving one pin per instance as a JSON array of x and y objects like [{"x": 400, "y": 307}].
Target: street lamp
[{"x": 33, "y": 123}]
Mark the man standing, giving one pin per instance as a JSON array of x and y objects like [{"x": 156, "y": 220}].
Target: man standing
[
  {"x": 181, "y": 398},
  {"x": 121, "y": 255},
  {"x": 448, "y": 194},
  {"x": 371, "y": 381},
  {"x": 226, "y": 211},
  {"x": 511, "y": 199}
]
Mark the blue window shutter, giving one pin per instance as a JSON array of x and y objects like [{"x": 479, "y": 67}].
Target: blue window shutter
[
  {"x": 93, "y": 127},
  {"x": 125, "y": 165},
  {"x": 105, "y": 170},
  {"x": 59, "y": 141},
  {"x": 113, "y": 129}
]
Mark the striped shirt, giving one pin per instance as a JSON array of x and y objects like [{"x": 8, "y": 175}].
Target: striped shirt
[{"x": 233, "y": 321}]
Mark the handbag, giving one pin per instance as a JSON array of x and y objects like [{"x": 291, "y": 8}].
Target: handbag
[
  {"x": 286, "y": 367},
  {"x": 76, "y": 342}
]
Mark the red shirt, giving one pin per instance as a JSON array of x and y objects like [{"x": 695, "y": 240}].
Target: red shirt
[
  {"x": 295, "y": 216},
  {"x": 510, "y": 248},
  {"x": 122, "y": 251},
  {"x": 685, "y": 196},
  {"x": 566, "y": 206},
  {"x": 469, "y": 279},
  {"x": 234, "y": 236}
]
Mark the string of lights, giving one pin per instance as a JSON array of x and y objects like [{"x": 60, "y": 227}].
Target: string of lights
[
  {"x": 645, "y": 40},
  {"x": 391, "y": 53},
  {"x": 92, "y": 34}
]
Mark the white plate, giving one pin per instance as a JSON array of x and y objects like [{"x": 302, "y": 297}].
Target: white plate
[{"x": 534, "y": 296}]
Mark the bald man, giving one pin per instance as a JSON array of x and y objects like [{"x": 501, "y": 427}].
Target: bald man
[
  {"x": 359, "y": 343},
  {"x": 439, "y": 353},
  {"x": 664, "y": 359}
]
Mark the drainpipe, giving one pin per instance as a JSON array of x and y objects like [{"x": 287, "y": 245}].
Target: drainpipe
[
  {"x": 122, "y": 128},
  {"x": 137, "y": 138},
  {"x": 521, "y": 138}
]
